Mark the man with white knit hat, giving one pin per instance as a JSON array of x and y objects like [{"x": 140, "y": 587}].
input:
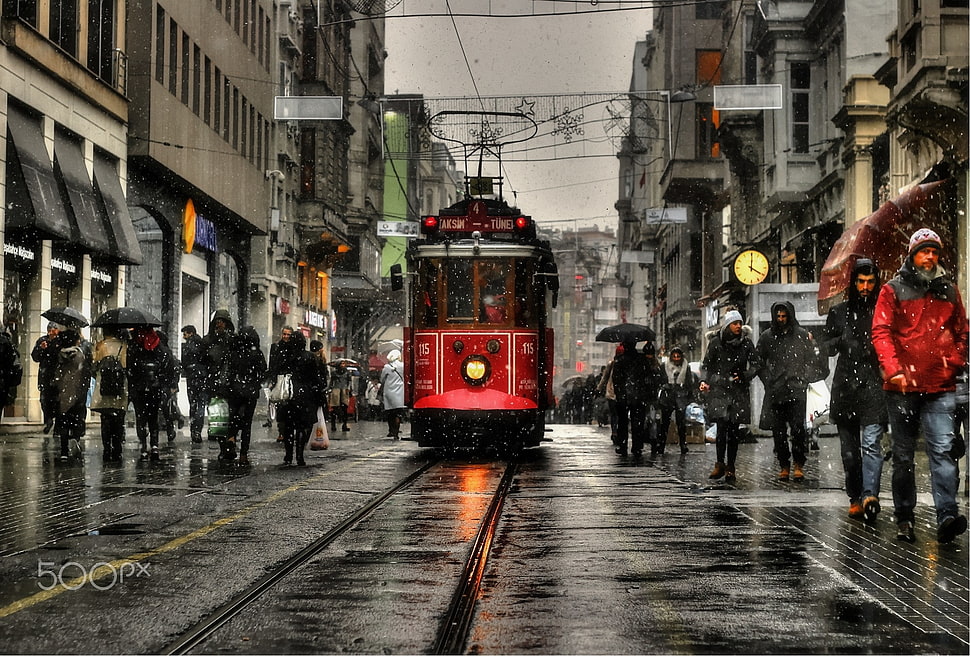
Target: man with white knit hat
[{"x": 919, "y": 331}]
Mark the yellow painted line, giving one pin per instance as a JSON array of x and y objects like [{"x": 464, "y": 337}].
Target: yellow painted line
[{"x": 103, "y": 571}]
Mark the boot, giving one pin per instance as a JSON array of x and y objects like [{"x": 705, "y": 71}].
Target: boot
[
  {"x": 719, "y": 470},
  {"x": 784, "y": 473},
  {"x": 870, "y": 508},
  {"x": 729, "y": 475},
  {"x": 856, "y": 510},
  {"x": 798, "y": 474}
]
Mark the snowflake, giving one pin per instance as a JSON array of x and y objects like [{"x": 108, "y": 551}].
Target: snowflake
[
  {"x": 488, "y": 134},
  {"x": 569, "y": 125}
]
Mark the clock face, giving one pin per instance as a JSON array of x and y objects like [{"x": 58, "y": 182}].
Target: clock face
[{"x": 751, "y": 267}]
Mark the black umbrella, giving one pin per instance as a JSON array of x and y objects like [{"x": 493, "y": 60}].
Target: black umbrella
[
  {"x": 627, "y": 332},
  {"x": 126, "y": 317},
  {"x": 67, "y": 316}
]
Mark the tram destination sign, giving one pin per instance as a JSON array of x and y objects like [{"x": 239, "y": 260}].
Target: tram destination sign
[{"x": 487, "y": 224}]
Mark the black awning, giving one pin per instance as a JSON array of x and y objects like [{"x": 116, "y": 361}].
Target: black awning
[
  {"x": 108, "y": 185},
  {"x": 33, "y": 198},
  {"x": 83, "y": 203}
]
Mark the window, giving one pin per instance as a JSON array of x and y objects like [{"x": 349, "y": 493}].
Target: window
[
  {"x": 25, "y": 10},
  {"x": 709, "y": 9},
  {"x": 101, "y": 26},
  {"x": 186, "y": 67},
  {"x": 217, "y": 101},
  {"x": 708, "y": 121},
  {"x": 160, "y": 45},
  {"x": 800, "y": 86},
  {"x": 63, "y": 25},
  {"x": 308, "y": 176},
  {"x": 207, "y": 91},
  {"x": 196, "y": 78},
  {"x": 173, "y": 56}
]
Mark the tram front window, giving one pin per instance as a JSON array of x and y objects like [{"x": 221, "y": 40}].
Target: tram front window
[
  {"x": 460, "y": 291},
  {"x": 495, "y": 301}
]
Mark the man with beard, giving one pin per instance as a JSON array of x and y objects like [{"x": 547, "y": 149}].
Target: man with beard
[
  {"x": 919, "y": 330},
  {"x": 858, "y": 404}
]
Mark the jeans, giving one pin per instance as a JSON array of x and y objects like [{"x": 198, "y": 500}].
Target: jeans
[
  {"x": 727, "y": 440},
  {"x": 934, "y": 414},
  {"x": 861, "y": 459},
  {"x": 197, "y": 403}
]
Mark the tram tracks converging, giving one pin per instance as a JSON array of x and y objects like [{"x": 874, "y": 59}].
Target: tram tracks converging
[{"x": 456, "y": 620}]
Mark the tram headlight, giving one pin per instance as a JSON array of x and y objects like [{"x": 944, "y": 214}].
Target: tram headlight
[
  {"x": 493, "y": 346},
  {"x": 476, "y": 369}
]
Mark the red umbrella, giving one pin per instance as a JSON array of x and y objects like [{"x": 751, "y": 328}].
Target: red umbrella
[{"x": 883, "y": 237}]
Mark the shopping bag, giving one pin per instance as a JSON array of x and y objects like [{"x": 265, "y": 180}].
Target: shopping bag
[
  {"x": 283, "y": 390},
  {"x": 319, "y": 437},
  {"x": 218, "y": 411}
]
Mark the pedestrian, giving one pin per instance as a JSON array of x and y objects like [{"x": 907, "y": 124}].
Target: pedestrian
[
  {"x": 392, "y": 393},
  {"x": 297, "y": 414},
  {"x": 71, "y": 382},
  {"x": 194, "y": 372},
  {"x": 110, "y": 399},
  {"x": 858, "y": 405},
  {"x": 653, "y": 382},
  {"x": 606, "y": 388},
  {"x": 151, "y": 368},
  {"x": 171, "y": 416},
  {"x": 281, "y": 354},
  {"x": 11, "y": 370},
  {"x": 729, "y": 366},
  {"x": 676, "y": 393},
  {"x": 919, "y": 331},
  {"x": 789, "y": 360},
  {"x": 373, "y": 396},
  {"x": 247, "y": 367},
  {"x": 44, "y": 354},
  {"x": 341, "y": 392},
  {"x": 217, "y": 347},
  {"x": 635, "y": 386},
  {"x": 323, "y": 374}
]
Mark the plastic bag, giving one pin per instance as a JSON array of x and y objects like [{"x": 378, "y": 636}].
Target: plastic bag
[
  {"x": 319, "y": 437},
  {"x": 283, "y": 389}
]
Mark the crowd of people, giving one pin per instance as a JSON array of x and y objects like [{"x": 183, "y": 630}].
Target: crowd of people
[
  {"x": 225, "y": 372},
  {"x": 901, "y": 353}
]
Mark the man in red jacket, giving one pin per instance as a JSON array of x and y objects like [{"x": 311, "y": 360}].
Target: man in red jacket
[{"x": 919, "y": 331}]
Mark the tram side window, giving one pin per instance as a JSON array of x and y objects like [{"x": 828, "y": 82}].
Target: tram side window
[
  {"x": 460, "y": 288},
  {"x": 426, "y": 297},
  {"x": 525, "y": 308}
]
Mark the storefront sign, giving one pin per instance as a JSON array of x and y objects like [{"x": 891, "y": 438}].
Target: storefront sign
[
  {"x": 282, "y": 305},
  {"x": 65, "y": 270},
  {"x": 19, "y": 252},
  {"x": 197, "y": 230},
  {"x": 315, "y": 319},
  {"x": 102, "y": 278}
]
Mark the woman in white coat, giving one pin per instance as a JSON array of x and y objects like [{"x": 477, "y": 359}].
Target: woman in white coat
[{"x": 392, "y": 391}]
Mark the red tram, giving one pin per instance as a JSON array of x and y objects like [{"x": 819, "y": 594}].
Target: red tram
[{"x": 478, "y": 370}]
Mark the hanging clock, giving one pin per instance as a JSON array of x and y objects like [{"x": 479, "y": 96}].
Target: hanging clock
[{"x": 751, "y": 267}]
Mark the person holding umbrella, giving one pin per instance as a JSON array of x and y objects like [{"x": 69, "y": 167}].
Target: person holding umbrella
[
  {"x": 110, "y": 398},
  {"x": 151, "y": 367}
]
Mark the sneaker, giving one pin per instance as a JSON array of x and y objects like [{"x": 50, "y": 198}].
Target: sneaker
[
  {"x": 64, "y": 458},
  {"x": 729, "y": 475},
  {"x": 719, "y": 470},
  {"x": 904, "y": 532},
  {"x": 856, "y": 510},
  {"x": 950, "y": 528},
  {"x": 798, "y": 474},
  {"x": 144, "y": 454},
  {"x": 784, "y": 473},
  {"x": 870, "y": 508}
]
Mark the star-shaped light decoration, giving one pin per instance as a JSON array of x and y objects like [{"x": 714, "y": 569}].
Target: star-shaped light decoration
[{"x": 526, "y": 108}]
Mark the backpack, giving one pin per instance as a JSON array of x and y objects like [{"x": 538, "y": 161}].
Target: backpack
[{"x": 112, "y": 376}]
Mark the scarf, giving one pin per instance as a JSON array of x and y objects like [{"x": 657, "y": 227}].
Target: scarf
[{"x": 676, "y": 375}]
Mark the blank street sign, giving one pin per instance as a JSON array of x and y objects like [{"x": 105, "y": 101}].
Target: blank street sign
[
  {"x": 747, "y": 96},
  {"x": 309, "y": 108}
]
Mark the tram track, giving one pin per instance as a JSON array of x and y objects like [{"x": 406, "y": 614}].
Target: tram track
[{"x": 454, "y": 628}]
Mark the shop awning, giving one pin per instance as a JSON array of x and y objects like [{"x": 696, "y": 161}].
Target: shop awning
[
  {"x": 33, "y": 198},
  {"x": 883, "y": 237},
  {"x": 83, "y": 203},
  {"x": 108, "y": 185}
]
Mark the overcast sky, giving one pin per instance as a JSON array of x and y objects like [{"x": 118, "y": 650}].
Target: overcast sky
[{"x": 569, "y": 53}]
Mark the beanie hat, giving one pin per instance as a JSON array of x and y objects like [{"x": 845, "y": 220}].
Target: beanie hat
[
  {"x": 649, "y": 349},
  {"x": 922, "y": 238},
  {"x": 731, "y": 317},
  {"x": 315, "y": 345},
  {"x": 189, "y": 328}
]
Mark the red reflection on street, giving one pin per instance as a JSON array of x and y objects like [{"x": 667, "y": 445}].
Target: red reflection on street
[{"x": 473, "y": 482}]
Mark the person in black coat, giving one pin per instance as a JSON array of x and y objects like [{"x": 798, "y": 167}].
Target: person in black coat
[
  {"x": 44, "y": 354},
  {"x": 194, "y": 372},
  {"x": 788, "y": 364},
  {"x": 676, "y": 393},
  {"x": 297, "y": 415},
  {"x": 217, "y": 348},
  {"x": 858, "y": 405},
  {"x": 247, "y": 366},
  {"x": 635, "y": 384},
  {"x": 729, "y": 366},
  {"x": 151, "y": 368}
]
